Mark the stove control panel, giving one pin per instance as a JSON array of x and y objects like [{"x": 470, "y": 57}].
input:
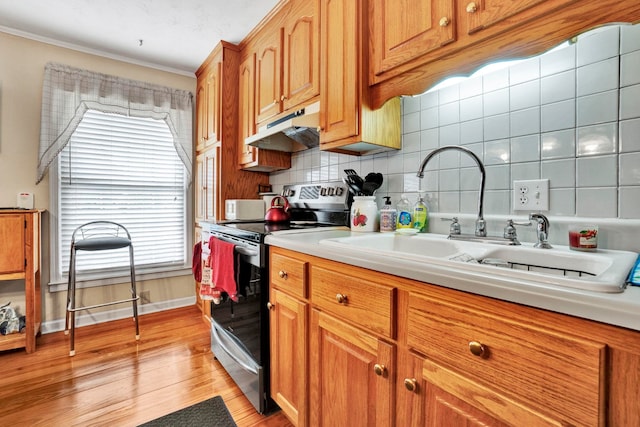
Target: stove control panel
[{"x": 325, "y": 195}]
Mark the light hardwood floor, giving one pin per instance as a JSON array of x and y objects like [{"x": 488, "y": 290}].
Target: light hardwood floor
[{"x": 114, "y": 380}]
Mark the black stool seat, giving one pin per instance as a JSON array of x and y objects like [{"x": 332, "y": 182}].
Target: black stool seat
[
  {"x": 102, "y": 243},
  {"x": 98, "y": 236}
]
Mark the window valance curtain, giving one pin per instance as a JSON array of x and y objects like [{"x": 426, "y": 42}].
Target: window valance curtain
[{"x": 68, "y": 92}]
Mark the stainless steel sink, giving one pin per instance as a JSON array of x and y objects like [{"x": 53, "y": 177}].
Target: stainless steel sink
[{"x": 601, "y": 271}]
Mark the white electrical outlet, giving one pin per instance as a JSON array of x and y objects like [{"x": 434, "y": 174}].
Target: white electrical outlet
[{"x": 531, "y": 195}]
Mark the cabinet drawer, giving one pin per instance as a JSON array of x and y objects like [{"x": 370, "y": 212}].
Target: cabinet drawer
[
  {"x": 289, "y": 274},
  {"x": 360, "y": 301},
  {"x": 553, "y": 372}
]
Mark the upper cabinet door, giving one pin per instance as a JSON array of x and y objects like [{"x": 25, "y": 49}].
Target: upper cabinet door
[
  {"x": 339, "y": 69},
  {"x": 247, "y": 108},
  {"x": 301, "y": 55},
  {"x": 482, "y": 14},
  {"x": 201, "y": 114},
  {"x": 213, "y": 103},
  {"x": 269, "y": 77},
  {"x": 405, "y": 29}
]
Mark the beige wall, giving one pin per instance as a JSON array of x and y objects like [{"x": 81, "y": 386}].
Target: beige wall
[{"x": 22, "y": 63}]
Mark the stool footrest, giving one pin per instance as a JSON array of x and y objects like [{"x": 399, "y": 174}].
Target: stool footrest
[{"x": 104, "y": 304}]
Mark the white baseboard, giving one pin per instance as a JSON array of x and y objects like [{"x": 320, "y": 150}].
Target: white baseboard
[{"x": 88, "y": 318}]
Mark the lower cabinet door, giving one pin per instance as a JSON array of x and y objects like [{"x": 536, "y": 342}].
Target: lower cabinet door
[
  {"x": 288, "y": 324},
  {"x": 432, "y": 395},
  {"x": 351, "y": 375}
]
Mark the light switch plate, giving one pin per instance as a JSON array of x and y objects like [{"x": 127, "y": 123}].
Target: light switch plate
[{"x": 531, "y": 195}]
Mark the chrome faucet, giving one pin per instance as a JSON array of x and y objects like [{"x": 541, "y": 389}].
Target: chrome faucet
[
  {"x": 542, "y": 230},
  {"x": 481, "y": 225}
]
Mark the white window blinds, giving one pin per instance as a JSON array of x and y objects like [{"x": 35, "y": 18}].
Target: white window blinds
[{"x": 123, "y": 169}]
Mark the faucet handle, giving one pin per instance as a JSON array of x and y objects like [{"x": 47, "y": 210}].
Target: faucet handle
[
  {"x": 454, "y": 228},
  {"x": 510, "y": 229}
]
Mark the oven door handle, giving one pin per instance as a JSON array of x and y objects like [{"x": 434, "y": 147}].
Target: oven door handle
[
  {"x": 220, "y": 341},
  {"x": 245, "y": 251}
]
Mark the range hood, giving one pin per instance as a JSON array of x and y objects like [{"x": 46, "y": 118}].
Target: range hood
[{"x": 294, "y": 132}]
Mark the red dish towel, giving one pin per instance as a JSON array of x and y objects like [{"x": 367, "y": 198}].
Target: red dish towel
[
  {"x": 222, "y": 272},
  {"x": 196, "y": 263}
]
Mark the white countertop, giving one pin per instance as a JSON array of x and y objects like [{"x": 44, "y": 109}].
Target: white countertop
[{"x": 620, "y": 309}]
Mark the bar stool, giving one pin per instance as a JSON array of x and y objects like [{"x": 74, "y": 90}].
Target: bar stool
[{"x": 98, "y": 236}]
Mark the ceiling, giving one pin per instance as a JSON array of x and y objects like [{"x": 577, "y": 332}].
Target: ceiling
[{"x": 172, "y": 35}]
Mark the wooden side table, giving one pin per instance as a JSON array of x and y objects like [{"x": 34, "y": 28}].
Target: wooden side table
[{"x": 20, "y": 260}]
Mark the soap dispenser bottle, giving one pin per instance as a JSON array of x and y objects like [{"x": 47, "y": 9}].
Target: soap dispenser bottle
[
  {"x": 405, "y": 213},
  {"x": 388, "y": 216},
  {"x": 421, "y": 214}
]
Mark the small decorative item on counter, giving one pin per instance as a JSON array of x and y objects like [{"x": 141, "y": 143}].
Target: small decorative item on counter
[
  {"x": 421, "y": 214},
  {"x": 364, "y": 214},
  {"x": 388, "y": 216},
  {"x": 583, "y": 237},
  {"x": 405, "y": 213}
]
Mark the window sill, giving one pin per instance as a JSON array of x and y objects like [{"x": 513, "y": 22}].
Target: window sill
[{"x": 93, "y": 281}]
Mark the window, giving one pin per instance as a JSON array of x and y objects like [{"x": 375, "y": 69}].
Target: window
[{"x": 122, "y": 169}]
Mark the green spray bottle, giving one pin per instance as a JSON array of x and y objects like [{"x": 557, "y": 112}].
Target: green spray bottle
[{"x": 421, "y": 214}]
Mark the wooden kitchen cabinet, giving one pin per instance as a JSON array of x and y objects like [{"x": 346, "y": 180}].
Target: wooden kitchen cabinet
[
  {"x": 301, "y": 55},
  {"x": 20, "y": 260},
  {"x": 415, "y": 43},
  {"x": 206, "y": 200},
  {"x": 288, "y": 325},
  {"x": 208, "y": 101},
  {"x": 351, "y": 380},
  {"x": 268, "y": 75},
  {"x": 347, "y": 121},
  {"x": 510, "y": 370},
  {"x": 287, "y": 67},
  {"x": 252, "y": 158},
  {"x": 412, "y": 28},
  {"x": 447, "y": 357},
  {"x": 218, "y": 176}
]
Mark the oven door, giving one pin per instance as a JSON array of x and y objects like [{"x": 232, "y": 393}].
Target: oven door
[{"x": 240, "y": 329}]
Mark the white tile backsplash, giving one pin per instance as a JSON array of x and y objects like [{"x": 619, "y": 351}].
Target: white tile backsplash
[
  {"x": 565, "y": 116},
  {"x": 629, "y": 105},
  {"x": 471, "y": 131},
  {"x": 496, "y": 102},
  {"x": 529, "y": 170},
  {"x": 560, "y": 173},
  {"x": 629, "y": 169},
  {"x": 525, "y": 122},
  {"x": 630, "y": 69},
  {"x": 598, "y": 108},
  {"x": 558, "y": 60},
  {"x": 558, "y": 87},
  {"x": 558, "y": 144},
  {"x": 629, "y": 135},
  {"x": 596, "y": 140},
  {"x": 525, "y": 148},
  {"x": 496, "y": 152},
  {"x": 597, "y": 45},
  {"x": 524, "y": 71},
  {"x": 629, "y": 202},
  {"x": 597, "y": 202},
  {"x": 524, "y": 95},
  {"x": 558, "y": 116},
  {"x": 598, "y": 77},
  {"x": 471, "y": 108},
  {"x": 629, "y": 38},
  {"x": 597, "y": 171}
]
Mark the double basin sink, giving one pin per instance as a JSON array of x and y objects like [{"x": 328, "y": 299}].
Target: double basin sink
[{"x": 600, "y": 271}]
